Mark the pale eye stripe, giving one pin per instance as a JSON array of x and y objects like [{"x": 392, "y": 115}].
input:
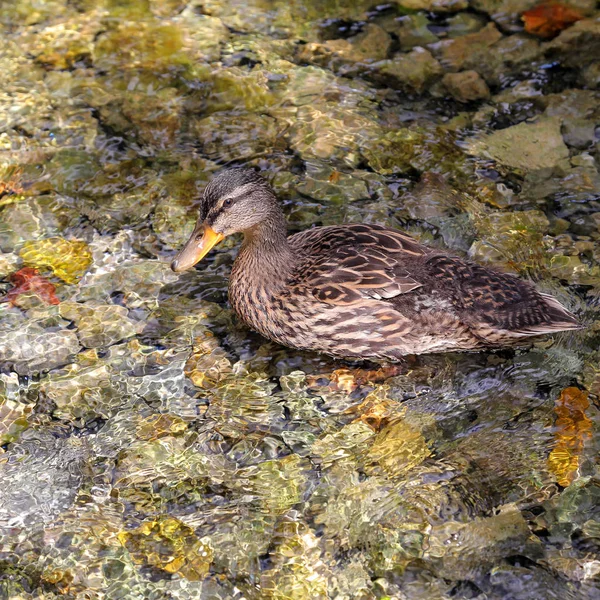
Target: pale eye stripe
[{"x": 238, "y": 192}]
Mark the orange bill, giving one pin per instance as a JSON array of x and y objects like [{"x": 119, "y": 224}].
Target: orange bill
[{"x": 202, "y": 240}]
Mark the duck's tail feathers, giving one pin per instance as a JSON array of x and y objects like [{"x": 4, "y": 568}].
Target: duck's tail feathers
[{"x": 556, "y": 318}]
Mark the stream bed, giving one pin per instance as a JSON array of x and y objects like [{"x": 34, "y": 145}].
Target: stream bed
[{"x": 151, "y": 446}]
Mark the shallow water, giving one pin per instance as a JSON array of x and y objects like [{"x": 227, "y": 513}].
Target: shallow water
[{"x": 152, "y": 447}]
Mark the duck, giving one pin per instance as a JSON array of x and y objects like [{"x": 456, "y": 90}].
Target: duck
[{"x": 359, "y": 291}]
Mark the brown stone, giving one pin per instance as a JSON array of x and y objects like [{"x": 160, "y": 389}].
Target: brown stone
[
  {"x": 468, "y": 50},
  {"x": 466, "y": 86}
]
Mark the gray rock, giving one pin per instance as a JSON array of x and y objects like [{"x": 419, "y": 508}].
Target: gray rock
[
  {"x": 412, "y": 30},
  {"x": 29, "y": 350},
  {"x": 41, "y": 481},
  {"x": 578, "y": 45},
  {"x": 591, "y": 75},
  {"x": 465, "y": 550}
]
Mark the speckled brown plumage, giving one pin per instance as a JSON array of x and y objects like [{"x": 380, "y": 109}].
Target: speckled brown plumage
[{"x": 365, "y": 291}]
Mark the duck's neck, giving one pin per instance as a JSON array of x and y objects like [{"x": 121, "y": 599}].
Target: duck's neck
[{"x": 265, "y": 257}]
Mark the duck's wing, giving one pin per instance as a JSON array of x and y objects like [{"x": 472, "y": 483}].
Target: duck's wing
[
  {"x": 496, "y": 301},
  {"x": 347, "y": 264}
]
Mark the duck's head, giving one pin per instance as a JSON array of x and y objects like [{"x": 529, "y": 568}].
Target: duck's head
[{"x": 235, "y": 200}]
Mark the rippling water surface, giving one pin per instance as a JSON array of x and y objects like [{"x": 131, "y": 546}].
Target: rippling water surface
[{"x": 151, "y": 446}]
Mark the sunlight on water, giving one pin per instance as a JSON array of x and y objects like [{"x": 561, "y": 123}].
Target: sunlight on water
[{"x": 151, "y": 446}]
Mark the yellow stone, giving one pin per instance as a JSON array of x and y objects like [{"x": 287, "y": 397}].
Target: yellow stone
[
  {"x": 67, "y": 259},
  {"x": 13, "y": 419},
  {"x": 157, "y": 426},
  {"x": 398, "y": 448},
  {"x": 168, "y": 544}
]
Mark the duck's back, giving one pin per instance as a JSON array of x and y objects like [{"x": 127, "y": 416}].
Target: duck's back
[{"x": 394, "y": 296}]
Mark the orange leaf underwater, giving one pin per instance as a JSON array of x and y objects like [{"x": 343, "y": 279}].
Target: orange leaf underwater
[
  {"x": 547, "y": 20},
  {"x": 573, "y": 428},
  {"x": 27, "y": 279}
]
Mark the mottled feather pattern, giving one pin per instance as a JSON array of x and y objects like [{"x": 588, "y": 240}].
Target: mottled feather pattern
[
  {"x": 360, "y": 262},
  {"x": 366, "y": 291},
  {"x": 350, "y": 294}
]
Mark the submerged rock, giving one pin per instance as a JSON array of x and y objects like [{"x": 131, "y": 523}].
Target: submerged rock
[
  {"x": 415, "y": 149},
  {"x": 578, "y": 45},
  {"x": 99, "y": 325},
  {"x": 205, "y": 34},
  {"x": 413, "y": 71},
  {"x": 371, "y": 44},
  {"x": 327, "y": 184},
  {"x": 413, "y": 30},
  {"x": 234, "y": 88},
  {"x": 170, "y": 545},
  {"x": 29, "y": 219},
  {"x": 578, "y": 110},
  {"x": 31, "y": 349},
  {"x": 234, "y": 137},
  {"x": 466, "y": 86},
  {"x": 329, "y": 131},
  {"x": 468, "y": 51},
  {"x": 62, "y": 46},
  {"x": 44, "y": 482},
  {"x": 514, "y": 240},
  {"x": 435, "y": 6},
  {"x": 520, "y": 146},
  {"x": 371, "y": 515},
  {"x": 464, "y": 23},
  {"x": 466, "y": 550},
  {"x": 591, "y": 75},
  {"x": 432, "y": 199},
  {"x": 397, "y": 449},
  {"x": 146, "y": 44},
  {"x": 68, "y": 259},
  {"x": 298, "y": 570},
  {"x": 83, "y": 392},
  {"x": 14, "y": 413}
]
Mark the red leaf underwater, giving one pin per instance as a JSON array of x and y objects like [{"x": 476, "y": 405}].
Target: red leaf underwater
[{"x": 27, "y": 279}]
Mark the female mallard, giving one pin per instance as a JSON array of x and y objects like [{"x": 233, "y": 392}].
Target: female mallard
[{"x": 359, "y": 291}]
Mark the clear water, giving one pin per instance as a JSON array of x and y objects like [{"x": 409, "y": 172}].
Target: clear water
[{"x": 152, "y": 447}]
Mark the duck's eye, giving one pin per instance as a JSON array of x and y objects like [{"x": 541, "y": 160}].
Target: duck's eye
[{"x": 227, "y": 202}]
